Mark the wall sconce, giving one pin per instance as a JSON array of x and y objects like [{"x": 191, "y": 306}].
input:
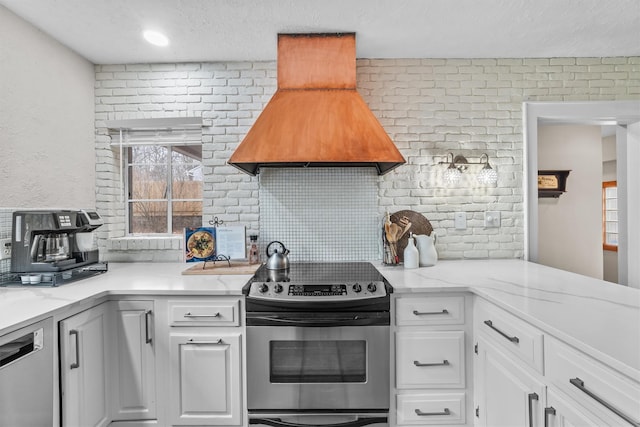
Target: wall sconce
[{"x": 459, "y": 164}]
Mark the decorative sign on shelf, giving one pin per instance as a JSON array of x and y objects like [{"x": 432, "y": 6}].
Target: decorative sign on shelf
[{"x": 552, "y": 183}]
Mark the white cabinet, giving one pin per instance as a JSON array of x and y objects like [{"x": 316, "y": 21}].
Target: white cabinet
[
  {"x": 526, "y": 377},
  {"x": 509, "y": 389},
  {"x": 562, "y": 412},
  {"x": 589, "y": 387},
  {"x": 83, "y": 367},
  {"x": 205, "y": 378},
  {"x": 205, "y": 362},
  {"x": 133, "y": 361},
  {"x": 431, "y": 358},
  {"x": 507, "y": 394}
]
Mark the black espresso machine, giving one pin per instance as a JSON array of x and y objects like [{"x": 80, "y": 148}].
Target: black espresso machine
[{"x": 53, "y": 240}]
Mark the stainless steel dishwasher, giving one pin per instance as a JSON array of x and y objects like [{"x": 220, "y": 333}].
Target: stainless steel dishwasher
[{"x": 26, "y": 376}]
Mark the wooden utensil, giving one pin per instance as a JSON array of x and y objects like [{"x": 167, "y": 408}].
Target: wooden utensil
[
  {"x": 394, "y": 234},
  {"x": 405, "y": 224}
]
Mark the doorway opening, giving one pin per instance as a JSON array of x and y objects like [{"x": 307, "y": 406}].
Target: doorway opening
[{"x": 624, "y": 117}]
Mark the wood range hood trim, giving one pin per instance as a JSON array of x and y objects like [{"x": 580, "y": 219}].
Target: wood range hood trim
[{"x": 316, "y": 118}]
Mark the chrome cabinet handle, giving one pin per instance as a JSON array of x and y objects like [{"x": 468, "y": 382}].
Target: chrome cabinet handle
[
  {"x": 201, "y": 315},
  {"x": 427, "y": 313},
  {"x": 147, "y": 324},
  {"x": 548, "y": 411},
  {"x": 514, "y": 339},
  {"x": 192, "y": 341},
  {"x": 427, "y": 414},
  {"x": 532, "y": 397},
  {"x": 445, "y": 362},
  {"x": 76, "y": 364},
  {"x": 577, "y": 382}
]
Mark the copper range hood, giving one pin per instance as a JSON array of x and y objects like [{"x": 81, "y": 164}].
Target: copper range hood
[{"x": 316, "y": 118}]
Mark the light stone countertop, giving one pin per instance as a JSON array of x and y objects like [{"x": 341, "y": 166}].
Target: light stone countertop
[
  {"x": 21, "y": 305},
  {"x": 600, "y": 318}
]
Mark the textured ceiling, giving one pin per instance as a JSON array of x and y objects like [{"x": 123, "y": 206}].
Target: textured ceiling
[{"x": 109, "y": 31}]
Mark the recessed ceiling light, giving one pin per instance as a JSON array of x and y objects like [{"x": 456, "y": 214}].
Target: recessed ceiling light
[{"x": 156, "y": 38}]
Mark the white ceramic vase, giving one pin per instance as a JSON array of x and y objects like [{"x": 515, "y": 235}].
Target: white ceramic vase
[{"x": 411, "y": 256}]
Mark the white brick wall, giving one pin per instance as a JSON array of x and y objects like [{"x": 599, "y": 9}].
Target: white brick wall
[{"x": 429, "y": 107}]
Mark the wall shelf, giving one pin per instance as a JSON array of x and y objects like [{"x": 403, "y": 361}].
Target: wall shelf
[{"x": 552, "y": 183}]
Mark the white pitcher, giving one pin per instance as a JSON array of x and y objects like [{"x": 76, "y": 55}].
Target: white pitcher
[{"x": 427, "y": 249}]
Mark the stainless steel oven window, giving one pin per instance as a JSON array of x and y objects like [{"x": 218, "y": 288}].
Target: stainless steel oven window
[{"x": 321, "y": 361}]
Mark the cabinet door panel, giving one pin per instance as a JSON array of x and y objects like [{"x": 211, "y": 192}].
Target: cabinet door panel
[
  {"x": 134, "y": 359},
  {"x": 505, "y": 390},
  {"x": 568, "y": 414},
  {"x": 205, "y": 379},
  {"x": 85, "y": 397},
  {"x": 431, "y": 408},
  {"x": 430, "y": 359},
  {"x": 430, "y": 310}
]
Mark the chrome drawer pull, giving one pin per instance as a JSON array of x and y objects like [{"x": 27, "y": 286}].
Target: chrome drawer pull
[
  {"x": 532, "y": 397},
  {"x": 489, "y": 323},
  {"x": 147, "y": 324},
  {"x": 426, "y": 414},
  {"x": 76, "y": 364},
  {"x": 445, "y": 362},
  {"x": 580, "y": 385},
  {"x": 192, "y": 341},
  {"x": 201, "y": 315},
  {"x": 426, "y": 313},
  {"x": 548, "y": 411}
]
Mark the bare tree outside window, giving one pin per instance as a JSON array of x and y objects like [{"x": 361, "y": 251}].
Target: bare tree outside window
[{"x": 164, "y": 188}]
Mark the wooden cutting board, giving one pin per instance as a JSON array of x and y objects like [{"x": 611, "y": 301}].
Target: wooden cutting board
[
  {"x": 419, "y": 225},
  {"x": 237, "y": 267}
]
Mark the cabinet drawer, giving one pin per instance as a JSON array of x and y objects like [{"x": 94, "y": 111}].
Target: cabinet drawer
[
  {"x": 425, "y": 310},
  {"x": 592, "y": 384},
  {"x": 204, "y": 313},
  {"x": 431, "y": 408},
  {"x": 511, "y": 333},
  {"x": 430, "y": 359}
]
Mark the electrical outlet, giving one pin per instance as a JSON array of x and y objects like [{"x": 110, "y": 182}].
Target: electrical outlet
[
  {"x": 5, "y": 248},
  {"x": 491, "y": 219},
  {"x": 460, "y": 220}
]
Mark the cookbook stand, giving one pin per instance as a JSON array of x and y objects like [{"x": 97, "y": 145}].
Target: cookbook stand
[
  {"x": 217, "y": 258},
  {"x": 215, "y": 222}
]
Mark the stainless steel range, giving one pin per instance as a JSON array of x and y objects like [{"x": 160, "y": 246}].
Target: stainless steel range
[{"x": 318, "y": 345}]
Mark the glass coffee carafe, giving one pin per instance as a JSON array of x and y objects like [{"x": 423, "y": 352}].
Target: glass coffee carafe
[{"x": 50, "y": 247}]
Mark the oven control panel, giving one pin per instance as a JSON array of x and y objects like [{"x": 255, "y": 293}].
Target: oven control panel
[{"x": 330, "y": 291}]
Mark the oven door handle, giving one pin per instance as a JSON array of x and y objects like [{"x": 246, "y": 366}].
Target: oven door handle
[
  {"x": 276, "y": 320},
  {"x": 277, "y": 422}
]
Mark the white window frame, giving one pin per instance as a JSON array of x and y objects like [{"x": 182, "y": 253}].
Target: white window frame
[
  {"x": 607, "y": 246},
  {"x": 167, "y": 132},
  {"x": 169, "y": 199}
]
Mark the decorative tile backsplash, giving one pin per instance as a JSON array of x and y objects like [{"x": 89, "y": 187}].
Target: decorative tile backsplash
[
  {"x": 6, "y": 215},
  {"x": 321, "y": 214}
]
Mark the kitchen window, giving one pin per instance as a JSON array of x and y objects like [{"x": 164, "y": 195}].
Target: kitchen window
[
  {"x": 164, "y": 188},
  {"x": 610, "y": 215},
  {"x": 160, "y": 173}
]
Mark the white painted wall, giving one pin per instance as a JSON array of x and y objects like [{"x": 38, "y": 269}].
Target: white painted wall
[
  {"x": 46, "y": 120},
  {"x": 570, "y": 227},
  {"x": 429, "y": 107},
  {"x": 629, "y": 204}
]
